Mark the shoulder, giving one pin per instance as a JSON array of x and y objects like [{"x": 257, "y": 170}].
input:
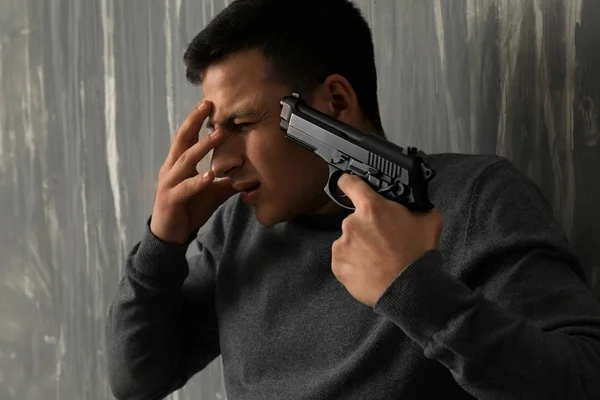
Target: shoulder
[
  {"x": 461, "y": 178},
  {"x": 479, "y": 179},
  {"x": 474, "y": 179},
  {"x": 468, "y": 168},
  {"x": 485, "y": 197},
  {"x": 487, "y": 202}
]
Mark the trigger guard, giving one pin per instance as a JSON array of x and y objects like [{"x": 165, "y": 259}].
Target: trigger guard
[{"x": 332, "y": 187}]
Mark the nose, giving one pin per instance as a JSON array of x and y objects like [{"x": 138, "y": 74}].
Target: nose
[{"x": 227, "y": 157}]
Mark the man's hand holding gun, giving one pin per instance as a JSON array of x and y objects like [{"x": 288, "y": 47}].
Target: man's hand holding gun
[{"x": 393, "y": 222}]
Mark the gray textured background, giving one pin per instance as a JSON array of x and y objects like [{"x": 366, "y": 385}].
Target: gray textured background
[{"x": 91, "y": 92}]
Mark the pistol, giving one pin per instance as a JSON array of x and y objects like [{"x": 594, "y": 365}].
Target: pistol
[{"x": 398, "y": 174}]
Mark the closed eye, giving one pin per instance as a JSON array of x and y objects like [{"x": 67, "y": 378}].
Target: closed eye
[
  {"x": 241, "y": 127},
  {"x": 231, "y": 127}
]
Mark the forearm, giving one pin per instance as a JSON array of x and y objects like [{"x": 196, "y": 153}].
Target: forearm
[
  {"x": 143, "y": 329},
  {"x": 491, "y": 352}
]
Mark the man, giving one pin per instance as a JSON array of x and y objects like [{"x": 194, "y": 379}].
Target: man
[{"x": 305, "y": 300}]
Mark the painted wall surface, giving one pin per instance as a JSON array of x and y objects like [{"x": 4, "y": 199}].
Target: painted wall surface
[{"x": 92, "y": 91}]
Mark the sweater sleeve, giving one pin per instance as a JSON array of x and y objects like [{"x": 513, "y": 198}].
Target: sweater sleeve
[
  {"x": 162, "y": 325},
  {"x": 509, "y": 314}
]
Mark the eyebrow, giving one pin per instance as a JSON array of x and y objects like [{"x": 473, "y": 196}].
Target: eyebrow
[{"x": 229, "y": 120}]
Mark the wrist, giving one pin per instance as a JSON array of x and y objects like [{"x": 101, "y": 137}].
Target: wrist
[{"x": 159, "y": 232}]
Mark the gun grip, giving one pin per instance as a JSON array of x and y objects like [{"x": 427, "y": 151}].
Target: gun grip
[{"x": 334, "y": 192}]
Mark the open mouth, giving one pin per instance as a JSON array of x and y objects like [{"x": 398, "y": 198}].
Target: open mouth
[
  {"x": 250, "y": 195},
  {"x": 252, "y": 189}
]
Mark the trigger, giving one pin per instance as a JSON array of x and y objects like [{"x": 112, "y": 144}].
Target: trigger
[{"x": 334, "y": 192}]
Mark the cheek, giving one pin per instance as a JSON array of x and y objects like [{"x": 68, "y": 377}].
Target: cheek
[
  {"x": 287, "y": 169},
  {"x": 311, "y": 175}
]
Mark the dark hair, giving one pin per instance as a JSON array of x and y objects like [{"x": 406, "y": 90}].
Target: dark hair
[{"x": 304, "y": 41}]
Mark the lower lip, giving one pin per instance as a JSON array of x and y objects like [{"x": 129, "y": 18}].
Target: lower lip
[{"x": 250, "y": 197}]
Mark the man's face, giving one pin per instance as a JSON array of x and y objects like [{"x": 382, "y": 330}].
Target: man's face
[{"x": 246, "y": 106}]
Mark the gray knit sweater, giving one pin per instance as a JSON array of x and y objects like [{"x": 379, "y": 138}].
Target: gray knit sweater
[{"x": 500, "y": 311}]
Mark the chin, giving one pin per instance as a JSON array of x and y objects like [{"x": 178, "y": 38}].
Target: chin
[
  {"x": 267, "y": 220},
  {"x": 269, "y": 213},
  {"x": 265, "y": 216},
  {"x": 269, "y": 216}
]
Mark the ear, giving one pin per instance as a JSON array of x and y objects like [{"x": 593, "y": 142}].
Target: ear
[{"x": 337, "y": 98}]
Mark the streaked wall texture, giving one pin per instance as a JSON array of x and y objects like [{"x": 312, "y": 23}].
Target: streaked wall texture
[{"x": 91, "y": 92}]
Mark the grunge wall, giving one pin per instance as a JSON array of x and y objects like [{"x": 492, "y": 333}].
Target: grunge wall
[{"x": 91, "y": 92}]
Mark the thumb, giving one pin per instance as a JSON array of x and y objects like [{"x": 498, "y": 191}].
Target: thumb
[{"x": 357, "y": 190}]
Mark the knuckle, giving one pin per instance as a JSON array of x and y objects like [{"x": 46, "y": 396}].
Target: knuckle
[
  {"x": 335, "y": 247},
  {"x": 191, "y": 141},
  {"x": 162, "y": 171},
  {"x": 210, "y": 142},
  {"x": 197, "y": 182},
  {"x": 162, "y": 193},
  {"x": 183, "y": 158},
  {"x": 164, "y": 176},
  {"x": 346, "y": 224},
  {"x": 197, "y": 149},
  {"x": 338, "y": 269},
  {"x": 335, "y": 269}
]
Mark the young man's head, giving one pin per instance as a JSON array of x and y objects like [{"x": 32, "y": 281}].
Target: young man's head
[{"x": 253, "y": 54}]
